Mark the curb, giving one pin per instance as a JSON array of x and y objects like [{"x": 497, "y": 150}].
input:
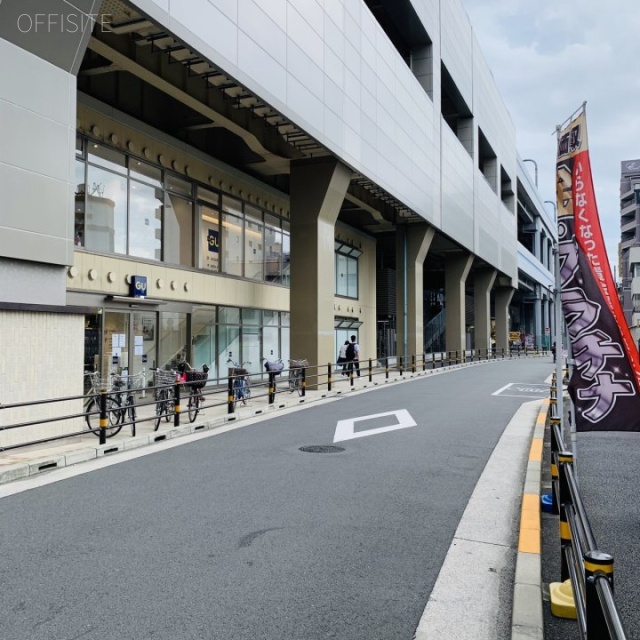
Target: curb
[{"x": 527, "y": 621}]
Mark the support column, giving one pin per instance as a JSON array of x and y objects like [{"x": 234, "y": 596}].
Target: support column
[
  {"x": 456, "y": 272},
  {"x": 412, "y": 244},
  {"x": 538, "y": 335},
  {"x": 503, "y": 297},
  {"x": 482, "y": 283},
  {"x": 318, "y": 188}
]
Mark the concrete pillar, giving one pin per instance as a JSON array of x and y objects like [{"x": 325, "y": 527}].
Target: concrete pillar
[
  {"x": 456, "y": 272},
  {"x": 318, "y": 188},
  {"x": 503, "y": 297},
  {"x": 414, "y": 241},
  {"x": 538, "y": 329},
  {"x": 482, "y": 283}
]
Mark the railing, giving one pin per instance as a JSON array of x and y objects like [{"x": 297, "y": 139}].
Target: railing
[
  {"x": 106, "y": 412},
  {"x": 588, "y": 571}
]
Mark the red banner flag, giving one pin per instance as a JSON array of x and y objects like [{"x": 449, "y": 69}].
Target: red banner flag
[{"x": 605, "y": 383}]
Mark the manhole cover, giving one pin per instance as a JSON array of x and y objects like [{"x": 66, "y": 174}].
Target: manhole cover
[{"x": 321, "y": 448}]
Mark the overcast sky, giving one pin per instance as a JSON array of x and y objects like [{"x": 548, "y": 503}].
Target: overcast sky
[{"x": 547, "y": 58}]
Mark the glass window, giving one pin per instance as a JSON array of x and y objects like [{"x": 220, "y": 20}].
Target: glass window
[
  {"x": 172, "y": 339},
  {"x": 232, "y": 244},
  {"x": 285, "y": 277},
  {"x": 229, "y": 315},
  {"x": 177, "y": 185},
  {"x": 285, "y": 319},
  {"x": 232, "y": 205},
  {"x": 107, "y": 157},
  {"x": 144, "y": 354},
  {"x": 250, "y": 316},
  {"x": 254, "y": 249},
  {"x": 79, "y": 146},
  {"x": 212, "y": 197},
  {"x": 251, "y": 349},
  {"x": 145, "y": 172},
  {"x": 272, "y": 249},
  {"x": 341, "y": 275},
  {"x": 145, "y": 221},
  {"x": 346, "y": 267},
  {"x": 203, "y": 341},
  {"x": 178, "y": 230},
  {"x": 105, "y": 226},
  {"x": 79, "y": 204},
  {"x": 209, "y": 238}
]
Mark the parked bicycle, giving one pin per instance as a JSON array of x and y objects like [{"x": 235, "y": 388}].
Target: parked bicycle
[
  {"x": 241, "y": 382},
  {"x": 195, "y": 380},
  {"x": 295, "y": 375},
  {"x": 163, "y": 381},
  {"x": 92, "y": 403},
  {"x": 126, "y": 400}
]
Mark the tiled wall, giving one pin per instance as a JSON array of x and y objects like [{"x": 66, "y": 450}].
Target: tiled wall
[{"x": 41, "y": 356}]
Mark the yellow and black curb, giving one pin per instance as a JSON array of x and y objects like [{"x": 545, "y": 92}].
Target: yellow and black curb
[{"x": 527, "y": 622}]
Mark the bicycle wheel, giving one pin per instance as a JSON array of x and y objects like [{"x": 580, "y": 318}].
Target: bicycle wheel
[
  {"x": 161, "y": 407},
  {"x": 114, "y": 415},
  {"x": 194, "y": 404},
  {"x": 246, "y": 392},
  {"x": 292, "y": 381}
]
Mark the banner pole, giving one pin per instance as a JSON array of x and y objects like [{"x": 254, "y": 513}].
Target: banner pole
[{"x": 557, "y": 307}]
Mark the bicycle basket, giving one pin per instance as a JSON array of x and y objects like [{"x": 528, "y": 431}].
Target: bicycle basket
[
  {"x": 197, "y": 378},
  {"x": 274, "y": 365},
  {"x": 238, "y": 371},
  {"x": 298, "y": 364},
  {"x": 162, "y": 378}
]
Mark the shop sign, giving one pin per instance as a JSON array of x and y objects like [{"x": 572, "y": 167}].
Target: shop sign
[{"x": 138, "y": 287}]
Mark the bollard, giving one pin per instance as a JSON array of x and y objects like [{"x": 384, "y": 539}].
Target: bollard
[
  {"x": 176, "y": 406},
  {"x": 564, "y": 458},
  {"x": 230, "y": 407},
  {"x": 433, "y": 360},
  {"x": 329, "y": 378},
  {"x": 272, "y": 387},
  {"x": 386, "y": 368},
  {"x": 401, "y": 365},
  {"x": 413, "y": 364},
  {"x": 597, "y": 566},
  {"x": 303, "y": 382},
  {"x": 370, "y": 371},
  {"x": 104, "y": 419}
]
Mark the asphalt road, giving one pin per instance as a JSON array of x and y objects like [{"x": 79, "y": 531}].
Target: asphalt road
[{"x": 243, "y": 536}]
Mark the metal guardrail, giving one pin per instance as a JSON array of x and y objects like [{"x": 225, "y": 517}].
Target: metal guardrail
[
  {"x": 587, "y": 570},
  {"x": 97, "y": 408}
]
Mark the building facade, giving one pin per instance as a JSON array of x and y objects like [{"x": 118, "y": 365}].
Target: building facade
[
  {"x": 216, "y": 180},
  {"x": 630, "y": 243}
]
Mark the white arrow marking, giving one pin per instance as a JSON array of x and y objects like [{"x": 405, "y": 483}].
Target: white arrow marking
[{"x": 345, "y": 429}]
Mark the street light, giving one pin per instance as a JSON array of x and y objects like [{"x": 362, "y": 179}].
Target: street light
[{"x": 535, "y": 164}]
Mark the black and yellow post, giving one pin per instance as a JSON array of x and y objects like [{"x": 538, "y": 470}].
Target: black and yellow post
[
  {"x": 303, "y": 382},
  {"x": 272, "y": 387},
  {"x": 424, "y": 361},
  {"x": 565, "y": 458},
  {"x": 329, "y": 377},
  {"x": 230, "y": 407},
  {"x": 561, "y": 595},
  {"x": 386, "y": 368},
  {"x": 597, "y": 566},
  {"x": 401, "y": 363},
  {"x": 370, "y": 370},
  {"x": 351, "y": 375},
  {"x": 433, "y": 360},
  {"x": 176, "y": 405},
  {"x": 413, "y": 363},
  {"x": 104, "y": 419}
]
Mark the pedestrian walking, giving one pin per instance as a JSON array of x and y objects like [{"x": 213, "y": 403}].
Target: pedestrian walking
[
  {"x": 353, "y": 356},
  {"x": 342, "y": 357}
]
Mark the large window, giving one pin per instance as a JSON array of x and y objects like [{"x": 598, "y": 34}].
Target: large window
[
  {"x": 346, "y": 267},
  {"x": 124, "y": 205}
]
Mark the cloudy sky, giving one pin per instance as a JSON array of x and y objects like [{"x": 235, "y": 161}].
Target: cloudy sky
[{"x": 547, "y": 58}]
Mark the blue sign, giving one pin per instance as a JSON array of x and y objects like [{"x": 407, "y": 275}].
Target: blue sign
[
  {"x": 138, "y": 287},
  {"x": 213, "y": 241}
]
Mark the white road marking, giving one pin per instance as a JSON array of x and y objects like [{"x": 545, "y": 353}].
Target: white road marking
[
  {"x": 345, "y": 429},
  {"x": 501, "y": 389}
]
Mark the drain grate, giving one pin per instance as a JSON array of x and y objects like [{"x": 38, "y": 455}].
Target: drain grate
[{"x": 321, "y": 448}]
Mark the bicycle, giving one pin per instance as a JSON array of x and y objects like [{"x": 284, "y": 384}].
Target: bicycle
[
  {"x": 164, "y": 395},
  {"x": 127, "y": 409},
  {"x": 295, "y": 375},
  {"x": 241, "y": 382},
  {"x": 92, "y": 404},
  {"x": 195, "y": 381}
]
